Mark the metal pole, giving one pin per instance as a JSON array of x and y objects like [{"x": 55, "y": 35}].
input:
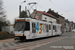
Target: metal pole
[{"x": 19, "y": 11}]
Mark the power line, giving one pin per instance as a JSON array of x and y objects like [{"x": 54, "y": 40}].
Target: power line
[
  {"x": 38, "y": 5},
  {"x": 28, "y": 0},
  {"x": 38, "y": 1},
  {"x": 61, "y": 8},
  {"x": 56, "y": 5},
  {"x": 41, "y": 7}
]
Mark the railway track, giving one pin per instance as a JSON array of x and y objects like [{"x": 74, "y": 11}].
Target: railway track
[{"x": 28, "y": 45}]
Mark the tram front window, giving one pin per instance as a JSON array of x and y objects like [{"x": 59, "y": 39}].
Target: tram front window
[
  {"x": 19, "y": 26},
  {"x": 22, "y": 26}
]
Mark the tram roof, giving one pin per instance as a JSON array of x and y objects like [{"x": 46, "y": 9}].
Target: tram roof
[{"x": 34, "y": 20}]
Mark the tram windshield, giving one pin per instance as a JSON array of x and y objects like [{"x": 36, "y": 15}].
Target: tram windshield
[{"x": 19, "y": 26}]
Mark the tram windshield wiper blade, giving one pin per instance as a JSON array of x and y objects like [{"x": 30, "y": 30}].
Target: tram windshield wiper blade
[{"x": 21, "y": 28}]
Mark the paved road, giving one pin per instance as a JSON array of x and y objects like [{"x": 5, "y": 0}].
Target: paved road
[
  {"x": 7, "y": 40},
  {"x": 67, "y": 43},
  {"x": 53, "y": 43},
  {"x": 28, "y": 45}
]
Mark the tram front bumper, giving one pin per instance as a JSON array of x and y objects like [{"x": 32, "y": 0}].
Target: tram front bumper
[{"x": 17, "y": 38}]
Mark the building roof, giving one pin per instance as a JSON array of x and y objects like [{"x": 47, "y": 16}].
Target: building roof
[
  {"x": 46, "y": 14},
  {"x": 49, "y": 11}
]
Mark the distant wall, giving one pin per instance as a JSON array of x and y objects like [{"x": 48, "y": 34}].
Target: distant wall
[{"x": 9, "y": 29}]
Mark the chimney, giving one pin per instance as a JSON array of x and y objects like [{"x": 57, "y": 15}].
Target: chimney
[
  {"x": 53, "y": 10},
  {"x": 34, "y": 9},
  {"x": 44, "y": 11},
  {"x": 56, "y": 12},
  {"x": 19, "y": 11},
  {"x": 49, "y": 9}
]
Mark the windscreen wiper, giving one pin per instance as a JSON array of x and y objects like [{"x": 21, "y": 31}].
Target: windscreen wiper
[{"x": 21, "y": 28}]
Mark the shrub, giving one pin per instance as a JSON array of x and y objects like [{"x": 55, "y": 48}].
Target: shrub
[{"x": 6, "y": 35}]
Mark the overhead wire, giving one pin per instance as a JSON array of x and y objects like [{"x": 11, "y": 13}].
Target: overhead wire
[
  {"x": 61, "y": 8},
  {"x": 58, "y": 7},
  {"x": 38, "y": 5},
  {"x": 41, "y": 7},
  {"x": 38, "y": 1},
  {"x": 55, "y": 5}
]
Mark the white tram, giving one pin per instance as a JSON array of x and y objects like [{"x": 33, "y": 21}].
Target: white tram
[{"x": 27, "y": 28}]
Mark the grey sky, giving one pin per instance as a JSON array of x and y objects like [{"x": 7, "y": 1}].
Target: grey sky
[{"x": 65, "y": 7}]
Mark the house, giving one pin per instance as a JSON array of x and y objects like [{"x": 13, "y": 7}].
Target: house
[
  {"x": 69, "y": 26},
  {"x": 42, "y": 15},
  {"x": 74, "y": 25},
  {"x": 66, "y": 25},
  {"x": 60, "y": 18}
]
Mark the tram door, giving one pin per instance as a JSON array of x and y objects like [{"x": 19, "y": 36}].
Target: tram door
[
  {"x": 54, "y": 30},
  {"x": 50, "y": 32},
  {"x": 34, "y": 29},
  {"x": 47, "y": 29},
  {"x": 58, "y": 30}
]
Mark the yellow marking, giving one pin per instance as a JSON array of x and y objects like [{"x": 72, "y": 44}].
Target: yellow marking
[
  {"x": 27, "y": 20},
  {"x": 18, "y": 34}
]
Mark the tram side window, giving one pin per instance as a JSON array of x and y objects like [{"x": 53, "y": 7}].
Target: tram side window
[
  {"x": 49, "y": 27},
  {"x": 27, "y": 26},
  {"x": 33, "y": 28},
  {"x": 54, "y": 27}
]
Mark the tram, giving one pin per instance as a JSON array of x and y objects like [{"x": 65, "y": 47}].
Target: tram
[{"x": 28, "y": 28}]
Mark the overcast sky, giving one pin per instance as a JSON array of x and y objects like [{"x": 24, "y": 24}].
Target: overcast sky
[{"x": 65, "y": 8}]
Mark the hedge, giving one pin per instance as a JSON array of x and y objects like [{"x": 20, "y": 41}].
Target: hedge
[{"x": 6, "y": 35}]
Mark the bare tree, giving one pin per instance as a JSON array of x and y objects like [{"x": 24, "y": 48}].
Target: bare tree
[
  {"x": 2, "y": 15},
  {"x": 7, "y": 22},
  {"x": 1, "y": 9}
]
